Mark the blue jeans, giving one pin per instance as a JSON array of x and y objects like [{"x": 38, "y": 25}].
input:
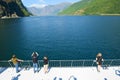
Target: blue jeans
[
  {"x": 35, "y": 66},
  {"x": 16, "y": 66}
]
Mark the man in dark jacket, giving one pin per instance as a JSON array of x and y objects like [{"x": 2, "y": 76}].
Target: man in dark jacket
[{"x": 35, "y": 61}]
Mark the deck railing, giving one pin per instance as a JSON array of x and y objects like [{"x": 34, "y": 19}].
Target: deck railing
[{"x": 64, "y": 63}]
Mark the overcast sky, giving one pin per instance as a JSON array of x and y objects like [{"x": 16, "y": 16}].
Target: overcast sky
[{"x": 42, "y": 3}]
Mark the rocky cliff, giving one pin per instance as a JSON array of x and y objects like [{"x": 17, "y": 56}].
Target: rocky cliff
[{"x": 12, "y": 7}]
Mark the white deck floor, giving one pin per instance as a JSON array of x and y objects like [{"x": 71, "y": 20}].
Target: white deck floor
[{"x": 75, "y": 73}]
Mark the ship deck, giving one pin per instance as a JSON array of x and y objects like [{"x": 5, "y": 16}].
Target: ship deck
[{"x": 62, "y": 73}]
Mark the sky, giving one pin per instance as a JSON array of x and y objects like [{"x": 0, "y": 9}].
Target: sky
[{"x": 42, "y": 3}]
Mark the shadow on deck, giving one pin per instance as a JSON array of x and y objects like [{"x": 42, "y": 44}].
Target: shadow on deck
[{"x": 2, "y": 69}]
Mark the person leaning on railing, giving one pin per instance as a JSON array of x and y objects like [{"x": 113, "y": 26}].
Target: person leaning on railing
[{"x": 15, "y": 61}]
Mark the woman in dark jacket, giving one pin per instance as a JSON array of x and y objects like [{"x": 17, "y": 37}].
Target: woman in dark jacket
[{"x": 99, "y": 61}]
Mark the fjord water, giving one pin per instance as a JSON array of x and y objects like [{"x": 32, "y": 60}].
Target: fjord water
[{"x": 60, "y": 37}]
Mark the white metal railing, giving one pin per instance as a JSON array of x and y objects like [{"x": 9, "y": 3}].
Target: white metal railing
[{"x": 64, "y": 63}]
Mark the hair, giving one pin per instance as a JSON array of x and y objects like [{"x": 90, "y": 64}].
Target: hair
[
  {"x": 45, "y": 57},
  {"x": 13, "y": 56},
  {"x": 99, "y": 54}
]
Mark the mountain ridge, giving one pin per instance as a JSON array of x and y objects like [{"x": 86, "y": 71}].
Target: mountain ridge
[
  {"x": 93, "y": 7},
  {"x": 49, "y": 10}
]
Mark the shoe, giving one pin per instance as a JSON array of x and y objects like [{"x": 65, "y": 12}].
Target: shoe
[
  {"x": 37, "y": 71},
  {"x": 17, "y": 71}
]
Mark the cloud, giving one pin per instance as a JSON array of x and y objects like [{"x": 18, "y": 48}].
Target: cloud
[
  {"x": 41, "y": 1},
  {"x": 38, "y": 5}
]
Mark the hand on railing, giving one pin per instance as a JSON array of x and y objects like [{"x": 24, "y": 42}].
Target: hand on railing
[
  {"x": 21, "y": 60},
  {"x": 9, "y": 60}
]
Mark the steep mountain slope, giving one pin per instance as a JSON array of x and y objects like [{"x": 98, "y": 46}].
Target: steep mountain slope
[
  {"x": 93, "y": 7},
  {"x": 49, "y": 10},
  {"x": 9, "y": 7}
]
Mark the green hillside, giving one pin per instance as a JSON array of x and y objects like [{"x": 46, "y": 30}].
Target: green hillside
[{"x": 93, "y": 7}]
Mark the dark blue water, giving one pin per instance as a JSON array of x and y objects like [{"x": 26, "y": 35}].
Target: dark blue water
[{"x": 64, "y": 37}]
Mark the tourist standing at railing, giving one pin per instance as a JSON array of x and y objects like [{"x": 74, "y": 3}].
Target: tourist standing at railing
[
  {"x": 99, "y": 61},
  {"x": 35, "y": 61},
  {"x": 45, "y": 60},
  {"x": 15, "y": 61}
]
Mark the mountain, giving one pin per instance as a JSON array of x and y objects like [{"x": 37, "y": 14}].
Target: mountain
[
  {"x": 49, "y": 10},
  {"x": 93, "y": 7},
  {"x": 12, "y": 7}
]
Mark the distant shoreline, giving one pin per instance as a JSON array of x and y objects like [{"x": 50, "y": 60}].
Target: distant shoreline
[
  {"x": 8, "y": 17},
  {"x": 5, "y": 17},
  {"x": 110, "y": 14}
]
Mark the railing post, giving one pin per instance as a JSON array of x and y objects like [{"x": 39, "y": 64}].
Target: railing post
[
  {"x": 21, "y": 65},
  {"x": 29, "y": 63},
  {"x": 83, "y": 62},
  {"x": 93, "y": 62},
  {"x": 38, "y": 64},
  {"x": 60, "y": 63},
  {"x": 110, "y": 62},
  {"x": 10, "y": 64},
  {"x": 71, "y": 63}
]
